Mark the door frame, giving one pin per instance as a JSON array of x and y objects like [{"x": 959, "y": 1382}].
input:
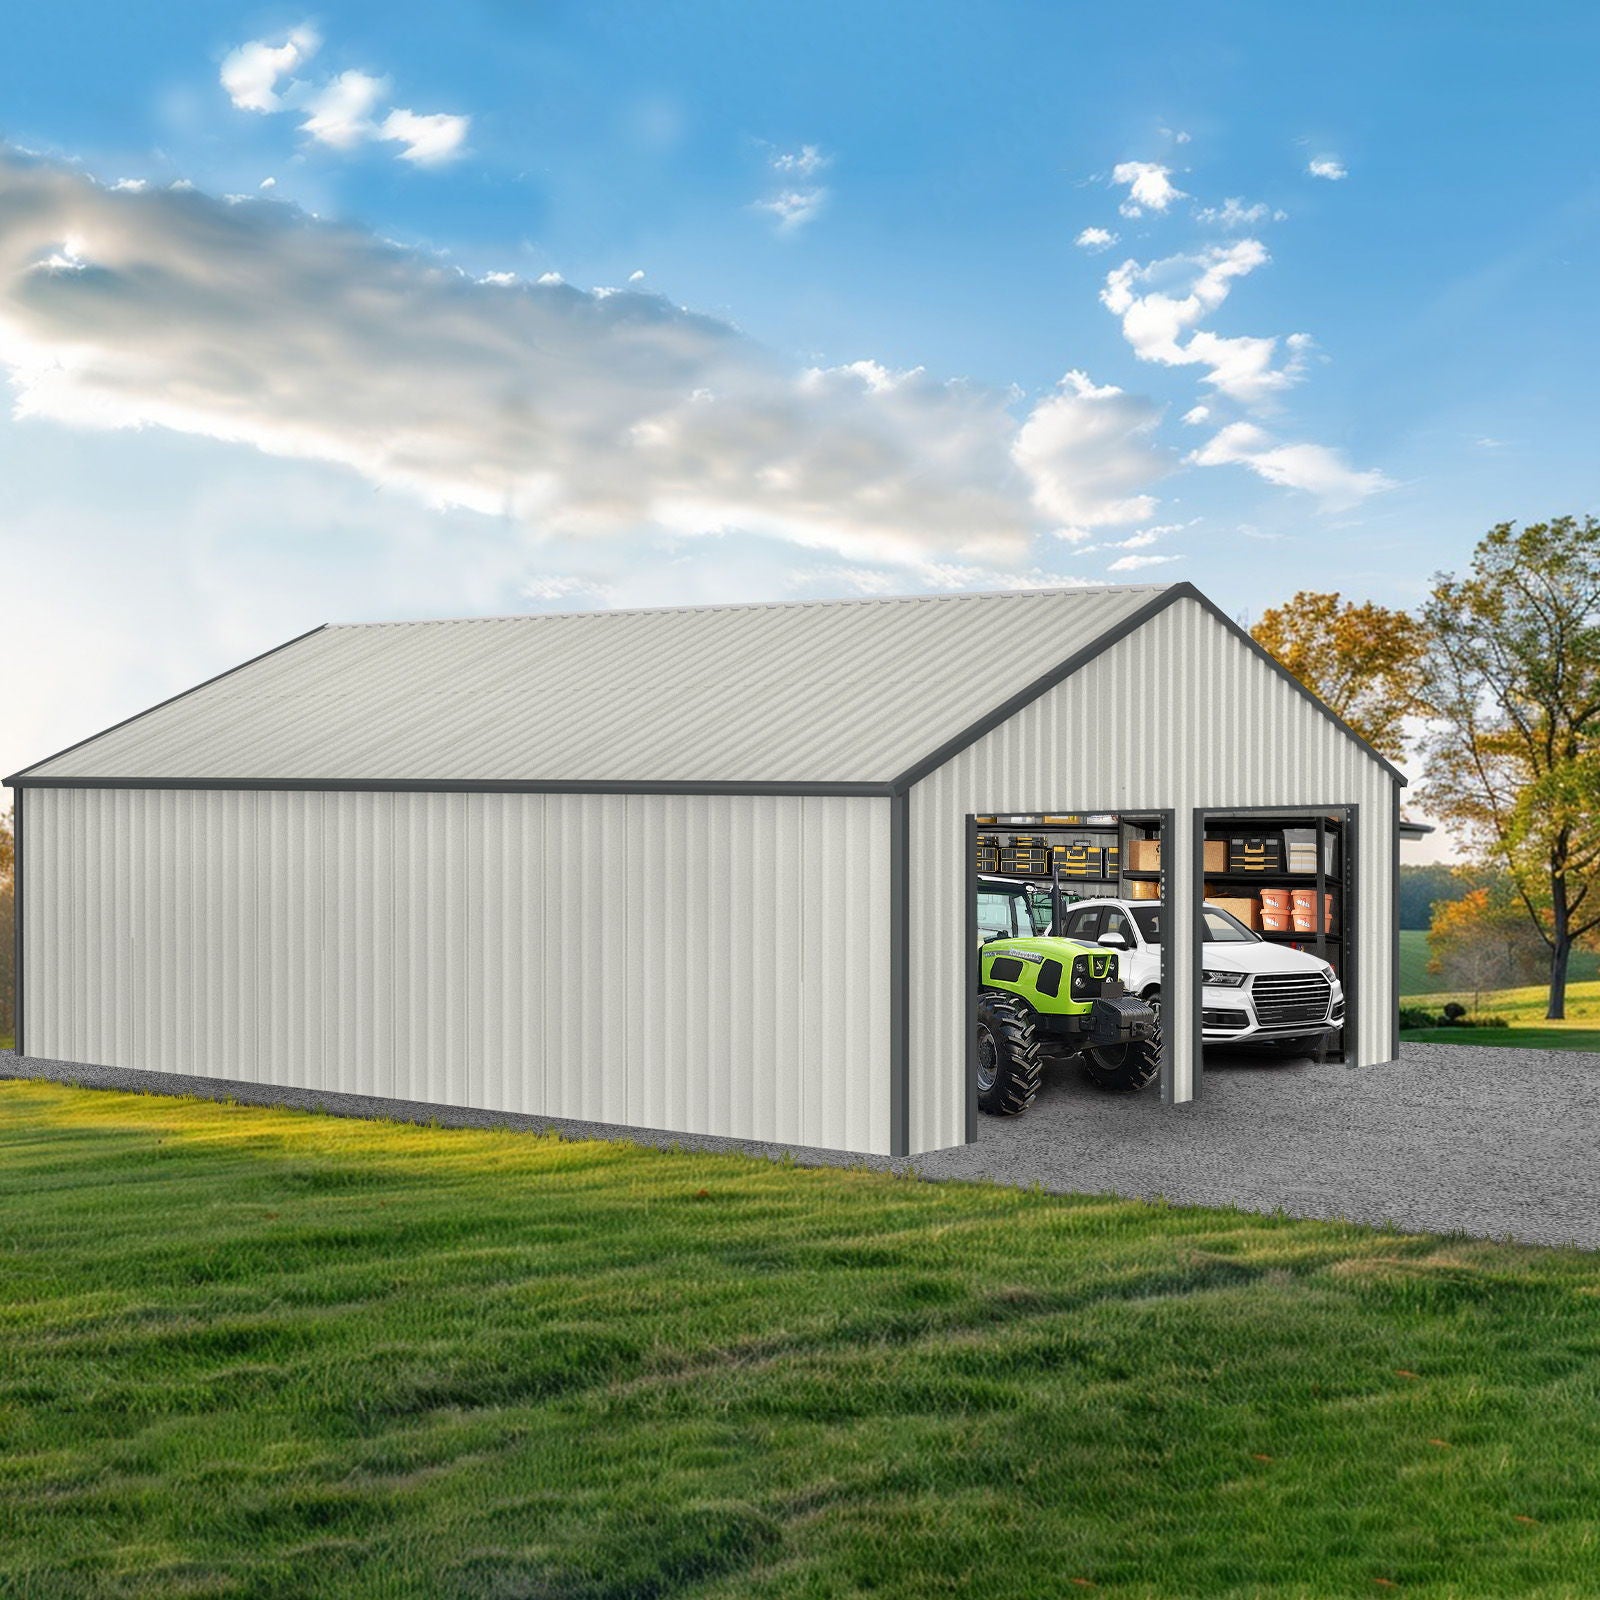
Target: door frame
[
  {"x": 1164, "y": 818},
  {"x": 1348, "y": 879}
]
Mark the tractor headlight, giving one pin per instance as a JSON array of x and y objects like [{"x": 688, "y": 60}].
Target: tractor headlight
[{"x": 1222, "y": 980}]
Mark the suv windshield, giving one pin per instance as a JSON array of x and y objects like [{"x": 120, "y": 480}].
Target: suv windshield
[{"x": 1221, "y": 928}]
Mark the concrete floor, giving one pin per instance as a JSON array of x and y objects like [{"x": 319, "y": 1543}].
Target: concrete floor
[{"x": 1450, "y": 1138}]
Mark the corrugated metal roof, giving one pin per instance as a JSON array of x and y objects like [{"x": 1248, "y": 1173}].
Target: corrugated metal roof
[{"x": 853, "y": 691}]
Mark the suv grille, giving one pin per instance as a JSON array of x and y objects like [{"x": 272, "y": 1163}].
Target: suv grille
[{"x": 1291, "y": 997}]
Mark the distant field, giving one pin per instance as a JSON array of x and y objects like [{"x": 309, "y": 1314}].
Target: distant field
[
  {"x": 1419, "y": 986},
  {"x": 1524, "y": 1005}
]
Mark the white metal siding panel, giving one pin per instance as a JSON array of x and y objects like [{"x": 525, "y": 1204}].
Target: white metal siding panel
[
  {"x": 838, "y": 691},
  {"x": 703, "y": 964},
  {"x": 1179, "y": 714}
]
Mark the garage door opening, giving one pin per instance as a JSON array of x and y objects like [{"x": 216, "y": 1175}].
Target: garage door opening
[
  {"x": 1064, "y": 953},
  {"x": 1278, "y": 968}
]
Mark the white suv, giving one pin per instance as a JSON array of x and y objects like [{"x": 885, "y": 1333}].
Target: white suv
[{"x": 1255, "y": 992}]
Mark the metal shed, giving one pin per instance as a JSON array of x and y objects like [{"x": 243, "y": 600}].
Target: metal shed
[{"x": 702, "y": 869}]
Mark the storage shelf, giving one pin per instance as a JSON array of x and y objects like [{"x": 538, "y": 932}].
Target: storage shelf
[
  {"x": 1304, "y": 880},
  {"x": 1140, "y": 872}
]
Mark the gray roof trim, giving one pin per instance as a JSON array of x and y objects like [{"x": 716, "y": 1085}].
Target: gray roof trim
[
  {"x": 1025, "y": 697},
  {"x": 1074, "y": 663},
  {"x": 15, "y": 780},
  {"x": 1192, "y": 593},
  {"x": 858, "y": 791}
]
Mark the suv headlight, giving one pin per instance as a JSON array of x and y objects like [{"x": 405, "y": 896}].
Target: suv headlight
[{"x": 1222, "y": 980}]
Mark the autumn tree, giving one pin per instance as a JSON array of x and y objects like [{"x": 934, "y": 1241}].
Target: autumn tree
[
  {"x": 1482, "y": 941},
  {"x": 1365, "y": 662},
  {"x": 1513, "y": 753}
]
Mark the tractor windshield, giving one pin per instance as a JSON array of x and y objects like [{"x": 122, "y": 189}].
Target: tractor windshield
[
  {"x": 1220, "y": 927},
  {"x": 1003, "y": 914}
]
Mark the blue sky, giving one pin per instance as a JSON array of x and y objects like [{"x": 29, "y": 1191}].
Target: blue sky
[{"x": 843, "y": 365}]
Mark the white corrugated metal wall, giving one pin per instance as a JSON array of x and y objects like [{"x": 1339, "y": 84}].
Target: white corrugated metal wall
[
  {"x": 1178, "y": 714},
  {"x": 706, "y": 964}
]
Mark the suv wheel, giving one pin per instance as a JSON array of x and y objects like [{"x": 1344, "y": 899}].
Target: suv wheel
[{"x": 1009, "y": 1060}]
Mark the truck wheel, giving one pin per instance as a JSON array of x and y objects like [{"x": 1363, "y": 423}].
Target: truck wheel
[
  {"x": 1009, "y": 1060},
  {"x": 1125, "y": 1067}
]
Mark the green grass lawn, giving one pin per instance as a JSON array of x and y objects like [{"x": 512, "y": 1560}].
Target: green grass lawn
[{"x": 261, "y": 1353}]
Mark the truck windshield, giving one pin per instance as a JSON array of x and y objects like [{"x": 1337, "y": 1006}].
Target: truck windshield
[{"x": 1220, "y": 927}]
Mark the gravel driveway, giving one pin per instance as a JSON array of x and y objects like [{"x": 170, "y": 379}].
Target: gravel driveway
[{"x": 1450, "y": 1138}]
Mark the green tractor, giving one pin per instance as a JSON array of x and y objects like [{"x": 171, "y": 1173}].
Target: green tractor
[{"x": 1038, "y": 993}]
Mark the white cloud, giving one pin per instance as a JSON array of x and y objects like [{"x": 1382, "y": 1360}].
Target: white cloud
[
  {"x": 793, "y": 204},
  {"x": 342, "y": 111},
  {"x": 805, "y": 161},
  {"x": 570, "y": 413},
  {"x": 1096, "y": 239},
  {"x": 339, "y": 114},
  {"x": 636, "y": 276},
  {"x": 1195, "y": 415},
  {"x": 1234, "y": 213},
  {"x": 1312, "y": 467},
  {"x": 1330, "y": 167},
  {"x": 1160, "y": 301},
  {"x": 250, "y": 74},
  {"x": 429, "y": 141},
  {"x": 794, "y": 207},
  {"x": 1089, "y": 455},
  {"x": 1149, "y": 184},
  {"x": 268, "y": 183},
  {"x": 936, "y": 576},
  {"x": 1134, "y": 563}
]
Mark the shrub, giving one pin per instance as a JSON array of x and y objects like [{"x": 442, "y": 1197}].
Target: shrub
[
  {"x": 1416, "y": 1017},
  {"x": 1454, "y": 1012}
]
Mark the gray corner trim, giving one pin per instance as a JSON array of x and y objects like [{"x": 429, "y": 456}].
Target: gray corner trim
[
  {"x": 899, "y": 974},
  {"x": 13, "y": 781},
  {"x": 1394, "y": 939},
  {"x": 1288, "y": 677},
  {"x": 16, "y": 918},
  {"x": 969, "y": 1053},
  {"x": 1023, "y": 697},
  {"x": 1197, "y": 956},
  {"x": 865, "y": 791}
]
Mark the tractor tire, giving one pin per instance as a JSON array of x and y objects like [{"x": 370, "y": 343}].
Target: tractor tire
[
  {"x": 1125, "y": 1068},
  {"x": 1010, "y": 1063}
]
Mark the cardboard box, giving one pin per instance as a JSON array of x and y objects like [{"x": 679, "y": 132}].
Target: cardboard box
[
  {"x": 1279, "y": 900},
  {"x": 1142, "y": 889},
  {"x": 1277, "y": 921},
  {"x": 1144, "y": 855},
  {"x": 1246, "y": 908},
  {"x": 1214, "y": 856}
]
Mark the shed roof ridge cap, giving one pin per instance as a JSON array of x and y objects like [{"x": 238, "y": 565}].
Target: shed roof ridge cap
[{"x": 1055, "y": 590}]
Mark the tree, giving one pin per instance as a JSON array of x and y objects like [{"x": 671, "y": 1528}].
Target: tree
[
  {"x": 1365, "y": 662},
  {"x": 1482, "y": 941},
  {"x": 1513, "y": 754}
]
